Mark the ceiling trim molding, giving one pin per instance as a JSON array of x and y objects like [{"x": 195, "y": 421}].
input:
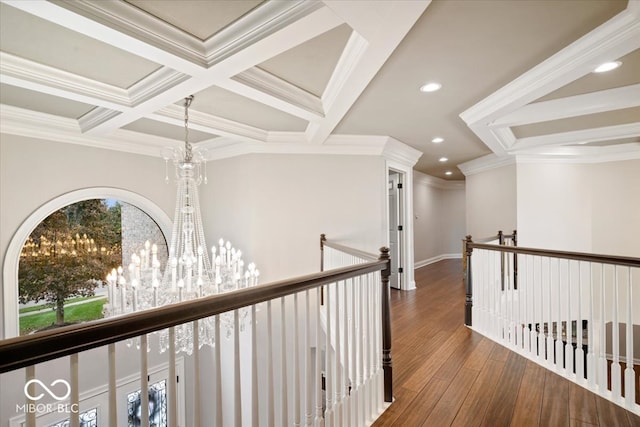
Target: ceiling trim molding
[
  {"x": 613, "y": 39},
  {"x": 69, "y": 16},
  {"x": 435, "y": 182},
  {"x": 154, "y": 84},
  {"x": 583, "y": 136},
  {"x": 174, "y": 114},
  {"x": 18, "y": 121},
  {"x": 260, "y": 23},
  {"x": 572, "y": 106},
  {"x": 486, "y": 163},
  {"x": 27, "y": 123},
  {"x": 31, "y": 75},
  {"x": 267, "y": 88},
  {"x": 565, "y": 154},
  {"x": 96, "y": 116},
  {"x": 581, "y": 155}
]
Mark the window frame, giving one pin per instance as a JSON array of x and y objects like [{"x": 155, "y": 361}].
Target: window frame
[{"x": 11, "y": 321}]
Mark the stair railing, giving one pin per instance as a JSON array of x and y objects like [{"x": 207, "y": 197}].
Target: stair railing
[{"x": 575, "y": 313}]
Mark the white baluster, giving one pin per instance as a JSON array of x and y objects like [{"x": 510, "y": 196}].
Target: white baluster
[
  {"x": 345, "y": 350},
  {"x": 270, "y": 405},
  {"x": 74, "y": 416},
  {"x": 568, "y": 346},
  {"x": 308, "y": 370},
  {"x": 360, "y": 352},
  {"x": 237, "y": 386},
  {"x": 217, "y": 371},
  {"x": 373, "y": 354},
  {"x": 591, "y": 359},
  {"x": 30, "y": 416},
  {"x": 196, "y": 374},
  {"x": 602, "y": 360},
  {"x": 113, "y": 411},
  {"x": 254, "y": 370},
  {"x": 295, "y": 374},
  {"x": 549, "y": 347},
  {"x": 579, "y": 350},
  {"x": 539, "y": 320},
  {"x": 284, "y": 402},
  {"x": 629, "y": 375},
  {"x": 559, "y": 347},
  {"x": 616, "y": 370},
  {"x": 172, "y": 405},
  {"x": 144, "y": 382},
  {"x": 319, "y": 419},
  {"x": 329, "y": 367},
  {"x": 339, "y": 367}
]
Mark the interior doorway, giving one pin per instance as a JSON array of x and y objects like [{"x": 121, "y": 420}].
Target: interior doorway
[{"x": 396, "y": 228}]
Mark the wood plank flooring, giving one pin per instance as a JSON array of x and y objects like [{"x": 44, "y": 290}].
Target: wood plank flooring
[{"x": 447, "y": 375}]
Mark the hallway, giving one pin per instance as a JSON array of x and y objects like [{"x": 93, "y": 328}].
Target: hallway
[{"x": 447, "y": 375}]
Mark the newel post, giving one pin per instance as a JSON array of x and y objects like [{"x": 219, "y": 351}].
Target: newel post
[
  {"x": 468, "y": 304},
  {"x": 386, "y": 325}
]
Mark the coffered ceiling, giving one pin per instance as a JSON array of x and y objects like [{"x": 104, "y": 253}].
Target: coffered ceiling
[{"x": 297, "y": 76}]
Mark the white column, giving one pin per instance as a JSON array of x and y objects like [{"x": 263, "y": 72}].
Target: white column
[
  {"x": 113, "y": 411},
  {"x": 629, "y": 375}
]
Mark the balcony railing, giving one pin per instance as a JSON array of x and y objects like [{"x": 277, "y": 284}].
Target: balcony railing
[
  {"x": 574, "y": 313},
  {"x": 307, "y": 364}
]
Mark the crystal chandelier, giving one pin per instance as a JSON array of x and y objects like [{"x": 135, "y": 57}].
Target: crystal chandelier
[{"x": 189, "y": 272}]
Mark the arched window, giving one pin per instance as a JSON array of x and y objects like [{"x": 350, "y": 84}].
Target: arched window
[{"x": 58, "y": 258}]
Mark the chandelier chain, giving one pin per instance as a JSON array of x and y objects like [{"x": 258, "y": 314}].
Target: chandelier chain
[{"x": 188, "y": 151}]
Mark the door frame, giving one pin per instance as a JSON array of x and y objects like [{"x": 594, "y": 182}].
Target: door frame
[{"x": 406, "y": 212}]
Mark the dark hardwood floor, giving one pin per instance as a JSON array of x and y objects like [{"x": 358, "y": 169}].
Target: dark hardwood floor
[{"x": 447, "y": 375}]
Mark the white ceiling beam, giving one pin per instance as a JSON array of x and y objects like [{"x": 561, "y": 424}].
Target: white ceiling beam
[
  {"x": 174, "y": 114},
  {"x": 275, "y": 92},
  {"x": 613, "y": 39},
  {"x": 63, "y": 16},
  {"x": 308, "y": 27},
  {"x": 583, "y": 136},
  {"x": 572, "y": 106},
  {"x": 31, "y": 75},
  {"x": 366, "y": 52}
]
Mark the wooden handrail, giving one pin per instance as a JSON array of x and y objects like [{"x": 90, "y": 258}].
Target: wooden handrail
[
  {"x": 578, "y": 256},
  {"x": 346, "y": 249},
  {"x": 23, "y": 351}
]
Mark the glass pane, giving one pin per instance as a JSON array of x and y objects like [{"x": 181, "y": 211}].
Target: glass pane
[
  {"x": 87, "y": 419},
  {"x": 157, "y": 406}
]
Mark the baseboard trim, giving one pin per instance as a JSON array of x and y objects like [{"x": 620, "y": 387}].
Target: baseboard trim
[{"x": 437, "y": 258}]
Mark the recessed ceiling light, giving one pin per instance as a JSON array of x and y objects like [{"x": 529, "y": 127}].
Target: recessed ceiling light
[
  {"x": 607, "y": 66},
  {"x": 437, "y": 140},
  {"x": 448, "y": 173},
  {"x": 430, "y": 87},
  {"x": 442, "y": 159}
]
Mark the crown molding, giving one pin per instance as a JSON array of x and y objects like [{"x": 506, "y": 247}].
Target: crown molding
[
  {"x": 262, "y": 22},
  {"x": 583, "y": 136},
  {"x": 582, "y": 154},
  {"x": 564, "y": 154},
  {"x": 154, "y": 84},
  {"x": 174, "y": 114},
  {"x": 96, "y": 116},
  {"x": 432, "y": 181},
  {"x": 18, "y": 121},
  {"x": 486, "y": 163},
  {"x": 31, "y": 75}
]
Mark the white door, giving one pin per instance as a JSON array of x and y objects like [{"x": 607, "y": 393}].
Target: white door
[{"x": 395, "y": 229}]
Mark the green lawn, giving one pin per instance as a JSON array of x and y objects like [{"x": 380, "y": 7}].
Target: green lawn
[
  {"x": 45, "y": 305},
  {"x": 76, "y": 313}
]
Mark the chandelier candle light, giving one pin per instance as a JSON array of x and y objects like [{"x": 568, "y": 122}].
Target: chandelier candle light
[{"x": 189, "y": 272}]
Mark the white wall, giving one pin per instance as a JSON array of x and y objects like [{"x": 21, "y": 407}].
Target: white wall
[
  {"x": 439, "y": 218},
  {"x": 274, "y": 207},
  {"x": 491, "y": 201},
  {"x": 590, "y": 207},
  {"x": 615, "y": 211}
]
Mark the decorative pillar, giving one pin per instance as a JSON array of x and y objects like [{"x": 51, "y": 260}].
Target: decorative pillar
[{"x": 386, "y": 325}]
